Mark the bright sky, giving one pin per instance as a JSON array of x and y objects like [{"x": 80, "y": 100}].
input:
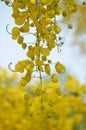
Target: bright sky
[{"x": 10, "y": 51}]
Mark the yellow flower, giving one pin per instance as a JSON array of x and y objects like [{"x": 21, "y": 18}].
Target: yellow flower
[
  {"x": 60, "y": 68},
  {"x": 24, "y": 45},
  {"x": 54, "y": 78},
  {"x": 45, "y": 51},
  {"x": 22, "y": 82},
  {"x": 19, "y": 67},
  {"x": 20, "y": 39},
  {"x": 15, "y": 32},
  {"x": 19, "y": 20},
  {"x": 25, "y": 28},
  {"x": 57, "y": 29},
  {"x": 47, "y": 69}
]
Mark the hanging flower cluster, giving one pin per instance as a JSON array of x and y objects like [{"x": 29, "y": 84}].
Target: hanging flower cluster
[
  {"x": 40, "y": 15},
  {"x": 38, "y": 18}
]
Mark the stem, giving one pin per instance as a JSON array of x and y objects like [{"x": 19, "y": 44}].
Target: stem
[{"x": 40, "y": 79}]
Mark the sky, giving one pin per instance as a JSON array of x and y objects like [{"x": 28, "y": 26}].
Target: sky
[{"x": 10, "y": 51}]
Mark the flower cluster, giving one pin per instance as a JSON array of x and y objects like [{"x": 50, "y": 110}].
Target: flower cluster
[
  {"x": 49, "y": 110},
  {"x": 38, "y": 18}
]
